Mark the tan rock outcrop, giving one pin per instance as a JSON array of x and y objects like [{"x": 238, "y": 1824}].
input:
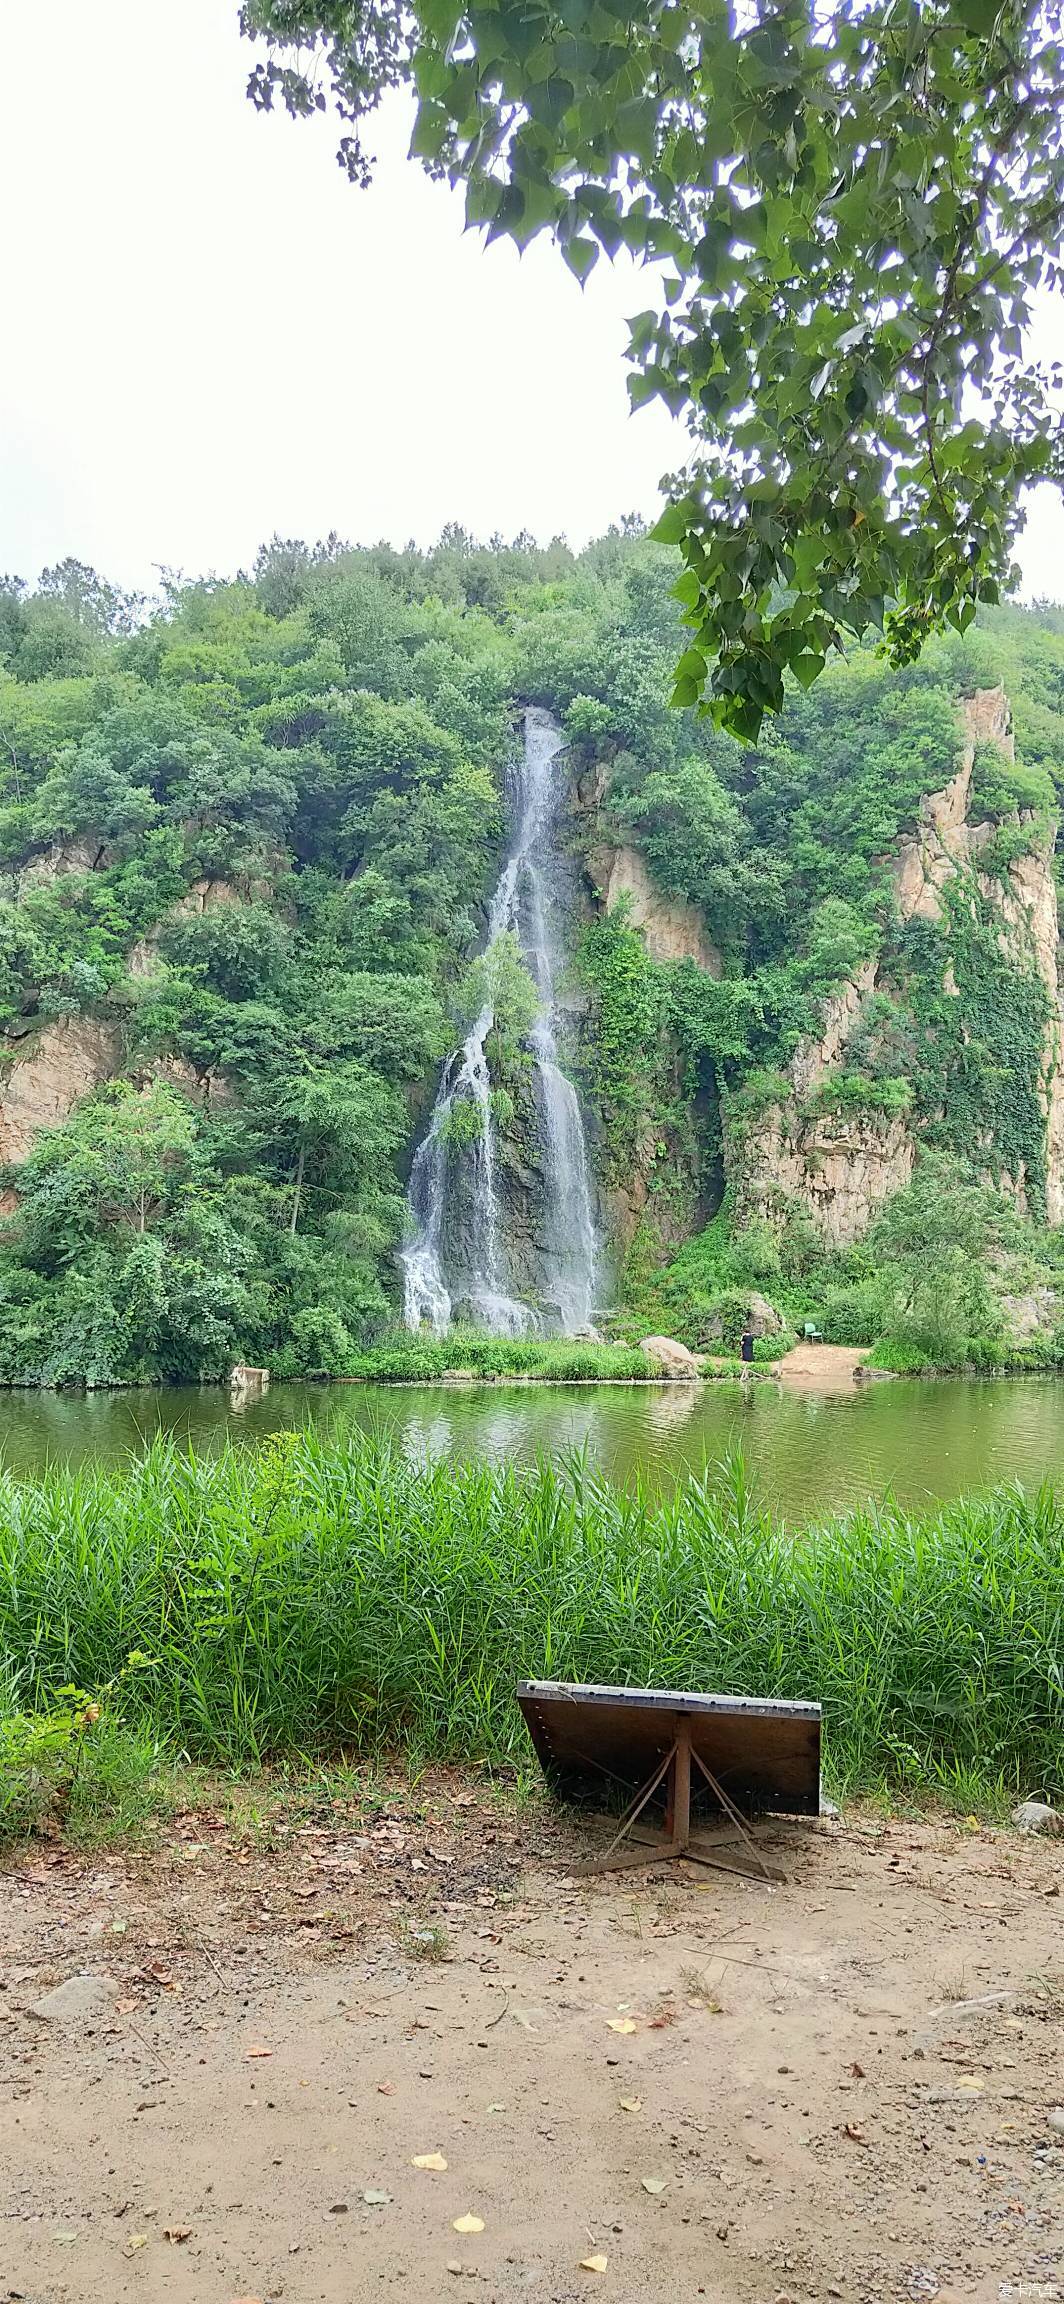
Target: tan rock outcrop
[
  {"x": 84, "y": 853},
  {"x": 56, "y": 1068},
  {"x": 945, "y": 841},
  {"x": 1034, "y": 1313},
  {"x": 843, "y": 1170},
  {"x": 814, "y": 1059},
  {"x": 1029, "y": 933},
  {"x": 145, "y": 957},
  {"x": 51, "y": 1073},
  {"x": 840, "y": 1171},
  {"x": 670, "y": 928}
]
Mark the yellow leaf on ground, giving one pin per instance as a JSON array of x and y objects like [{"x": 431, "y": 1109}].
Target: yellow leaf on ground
[
  {"x": 136, "y": 2240},
  {"x": 620, "y": 2024},
  {"x": 428, "y": 2160},
  {"x": 593, "y": 2263},
  {"x": 630, "y": 2103},
  {"x": 972, "y": 2084},
  {"x": 468, "y": 2224}
]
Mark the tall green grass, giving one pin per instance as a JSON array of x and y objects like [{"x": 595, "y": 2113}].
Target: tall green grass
[{"x": 327, "y": 1594}]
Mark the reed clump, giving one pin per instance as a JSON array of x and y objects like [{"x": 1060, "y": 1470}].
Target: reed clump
[{"x": 325, "y": 1595}]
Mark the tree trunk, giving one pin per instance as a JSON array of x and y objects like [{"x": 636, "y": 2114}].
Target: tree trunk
[{"x": 300, "y": 1166}]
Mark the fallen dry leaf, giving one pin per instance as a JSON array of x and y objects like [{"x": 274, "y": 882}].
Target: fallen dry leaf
[
  {"x": 468, "y": 2224},
  {"x": 428, "y": 2160},
  {"x": 855, "y": 2134},
  {"x": 653, "y": 2183},
  {"x": 630, "y": 2103},
  {"x": 620, "y": 2024},
  {"x": 136, "y": 2240},
  {"x": 175, "y": 2233},
  {"x": 593, "y": 2263},
  {"x": 857, "y": 2071},
  {"x": 251, "y": 2054}
]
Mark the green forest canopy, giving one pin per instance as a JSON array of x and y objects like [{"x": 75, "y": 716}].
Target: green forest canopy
[
  {"x": 847, "y": 209},
  {"x": 250, "y": 836}
]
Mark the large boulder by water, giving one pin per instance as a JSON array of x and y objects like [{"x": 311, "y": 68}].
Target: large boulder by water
[
  {"x": 764, "y": 1320},
  {"x": 668, "y": 1358}
]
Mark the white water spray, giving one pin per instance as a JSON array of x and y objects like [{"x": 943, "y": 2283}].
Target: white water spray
[{"x": 456, "y": 1250}]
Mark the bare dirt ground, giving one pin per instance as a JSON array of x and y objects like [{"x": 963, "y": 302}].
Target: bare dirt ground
[{"x": 840, "y": 2087}]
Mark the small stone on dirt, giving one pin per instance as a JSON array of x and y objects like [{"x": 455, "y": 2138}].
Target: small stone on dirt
[
  {"x": 1037, "y": 1816},
  {"x": 79, "y": 2001}
]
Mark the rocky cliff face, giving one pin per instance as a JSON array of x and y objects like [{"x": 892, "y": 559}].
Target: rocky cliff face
[
  {"x": 670, "y": 928},
  {"x": 52, "y": 1065},
  {"x": 841, "y": 1169},
  {"x": 48, "y": 1073}
]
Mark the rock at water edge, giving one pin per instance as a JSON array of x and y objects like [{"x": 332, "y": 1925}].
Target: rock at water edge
[{"x": 668, "y": 1358}]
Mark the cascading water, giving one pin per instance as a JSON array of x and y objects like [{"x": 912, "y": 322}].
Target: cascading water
[{"x": 458, "y": 1254}]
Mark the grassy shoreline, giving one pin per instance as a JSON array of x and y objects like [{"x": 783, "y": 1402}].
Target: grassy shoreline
[{"x": 324, "y": 1597}]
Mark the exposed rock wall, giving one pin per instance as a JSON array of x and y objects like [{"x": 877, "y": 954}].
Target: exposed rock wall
[
  {"x": 814, "y": 1060},
  {"x": 49, "y": 1074},
  {"x": 842, "y": 1170},
  {"x": 57, "y": 1063},
  {"x": 203, "y": 896},
  {"x": 670, "y": 928}
]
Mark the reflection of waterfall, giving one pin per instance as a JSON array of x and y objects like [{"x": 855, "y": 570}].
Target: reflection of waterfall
[{"x": 457, "y": 1255}]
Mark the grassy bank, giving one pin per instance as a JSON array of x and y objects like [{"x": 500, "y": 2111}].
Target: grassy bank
[
  {"x": 325, "y": 1596},
  {"x": 406, "y": 1359}
]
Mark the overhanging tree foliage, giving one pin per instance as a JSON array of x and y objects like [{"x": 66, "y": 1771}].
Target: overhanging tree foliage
[{"x": 853, "y": 208}]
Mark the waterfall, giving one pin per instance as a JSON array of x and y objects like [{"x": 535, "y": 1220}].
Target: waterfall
[{"x": 457, "y": 1251}]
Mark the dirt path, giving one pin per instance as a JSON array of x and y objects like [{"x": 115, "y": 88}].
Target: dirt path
[
  {"x": 820, "y": 1367},
  {"x": 837, "y": 2088}
]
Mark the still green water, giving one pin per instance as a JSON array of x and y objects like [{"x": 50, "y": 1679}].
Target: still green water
[{"x": 809, "y": 1454}]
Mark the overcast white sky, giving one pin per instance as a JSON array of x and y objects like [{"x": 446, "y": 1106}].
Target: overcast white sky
[{"x": 211, "y": 335}]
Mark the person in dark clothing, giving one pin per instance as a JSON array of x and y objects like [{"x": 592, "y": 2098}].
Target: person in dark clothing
[{"x": 746, "y": 1347}]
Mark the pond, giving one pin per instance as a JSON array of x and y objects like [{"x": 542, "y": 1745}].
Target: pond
[{"x": 809, "y": 1454}]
